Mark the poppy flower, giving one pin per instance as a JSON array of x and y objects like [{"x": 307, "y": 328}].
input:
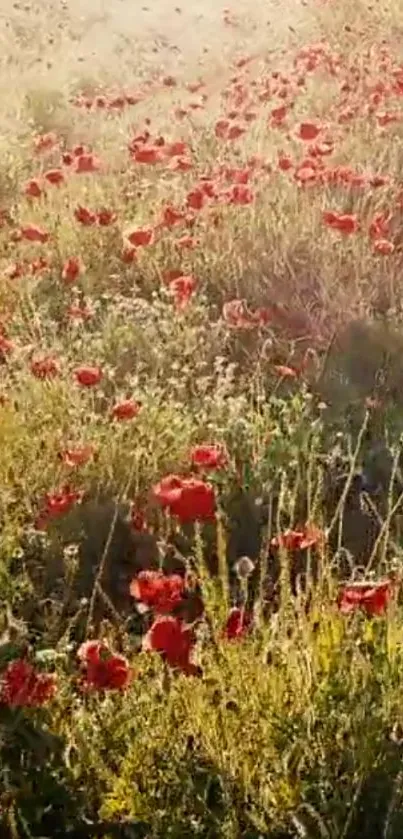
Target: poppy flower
[
  {"x": 285, "y": 372},
  {"x": 240, "y": 195},
  {"x": 308, "y": 131},
  {"x": 208, "y": 457},
  {"x": 171, "y": 216},
  {"x": 371, "y": 598},
  {"x": 45, "y": 368},
  {"x": 379, "y": 227},
  {"x": 78, "y": 456},
  {"x": 176, "y": 149},
  {"x": 383, "y": 246},
  {"x": 237, "y": 625},
  {"x": 59, "y": 503},
  {"x": 298, "y": 540},
  {"x": 129, "y": 254},
  {"x": 55, "y": 177},
  {"x": 158, "y": 591},
  {"x": 85, "y": 216},
  {"x": 106, "y": 217},
  {"x": 88, "y": 376},
  {"x": 103, "y": 669},
  {"x": 87, "y": 163},
  {"x": 72, "y": 269},
  {"x": 195, "y": 199},
  {"x": 140, "y": 238},
  {"x": 189, "y": 499},
  {"x": 45, "y": 142},
  {"x": 345, "y": 223},
  {"x": 182, "y": 289},
  {"x": 33, "y": 188},
  {"x": 125, "y": 410},
  {"x": 149, "y": 154},
  {"x": 33, "y": 233},
  {"x": 175, "y": 642},
  {"x": 23, "y": 686}
]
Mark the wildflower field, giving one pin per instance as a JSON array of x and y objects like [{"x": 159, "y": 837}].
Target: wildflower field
[{"x": 201, "y": 420}]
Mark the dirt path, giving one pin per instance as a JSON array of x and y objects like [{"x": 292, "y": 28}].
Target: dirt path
[{"x": 60, "y": 40}]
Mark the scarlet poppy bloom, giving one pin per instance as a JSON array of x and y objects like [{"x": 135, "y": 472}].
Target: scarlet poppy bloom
[
  {"x": 308, "y": 131},
  {"x": 88, "y": 376},
  {"x": 87, "y": 163},
  {"x": 182, "y": 289},
  {"x": 45, "y": 142},
  {"x": 285, "y": 372},
  {"x": 140, "y": 238},
  {"x": 383, "y": 246},
  {"x": 172, "y": 216},
  {"x": 158, "y": 591},
  {"x": 176, "y": 149},
  {"x": 55, "y": 176},
  {"x": 285, "y": 162},
  {"x": 85, "y": 216},
  {"x": 240, "y": 195},
  {"x": 298, "y": 540},
  {"x": 372, "y": 598},
  {"x": 195, "y": 199},
  {"x": 174, "y": 641},
  {"x": 103, "y": 669},
  {"x": 45, "y": 368},
  {"x": 106, "y": 217},
  {"x": 189, "y": 499},
  {"x": 125, "y": 410},
  {"x": 33, "y": 188},
  {"x": 23, "y": 686},
  {"x": 379, "y": 227},
  {"x": 129, "y": 254},
  {"x": 237, "y": 625},
  {"x": 33, "y": 233},
  {"x": 150, "y": 155},
  {"x": 208, "y": 457},
  {"x": 187, "y": 242},
  {"x": 78, "y": 456},
  {"x": 345, "y": 223},
  {"x": 72, "y": 269},
  {"x": 60, "y": 502}
]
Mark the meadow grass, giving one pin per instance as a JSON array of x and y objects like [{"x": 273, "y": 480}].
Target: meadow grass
[{"x": 239, "y": 291}]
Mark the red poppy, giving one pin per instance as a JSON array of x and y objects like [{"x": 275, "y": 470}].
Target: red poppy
[
  {"x": 150, "y": 155},
  {"x": 125, "y": 410},
  {"x": 195, "y": 199},
  {"x": 298, "y": 540},
  {"x": 158, "y": 591},
  {"x": 33, "y": 233},
  {"x": 172, "y": 216},
  {"x": 308, "y": 131},
  {"x": 33, "y": 188},
  {"x": 106, "y": 217},
  {"x": 88, "y": 376},
  {"x": 285, "y": 372},
  {"x": 23, "y": 686},
  {"x": 345, "y": 223},
  {"x": 54, "y": 176},
  {"x": 45, "y": 142},
  {"x": 383, "y": 246},
  {"x": 190, "y": 499},
  {"x": 182, "y": 289},
  {"x": 140, "y": 238},
  {"x": 372, "y": 598},
  {"x": 176, "y": 149},
  {"x": 174, "y": 641},
  {"x": 103, "y": 669},
  {"x": 129, "y": 255},
  {"x": 379, "y": 227},
  {"x": 87, "y": 163},
  {"x": 85, "y": 216},
  {"x": 78, "y": 456},
  {"x": 45, "y": 368},
  {"x": 237, "y": 625},
  {"x": 208, "y": 457},
  {"x": 72, "y": 269},
  {"x": 59, "y": 503}
]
